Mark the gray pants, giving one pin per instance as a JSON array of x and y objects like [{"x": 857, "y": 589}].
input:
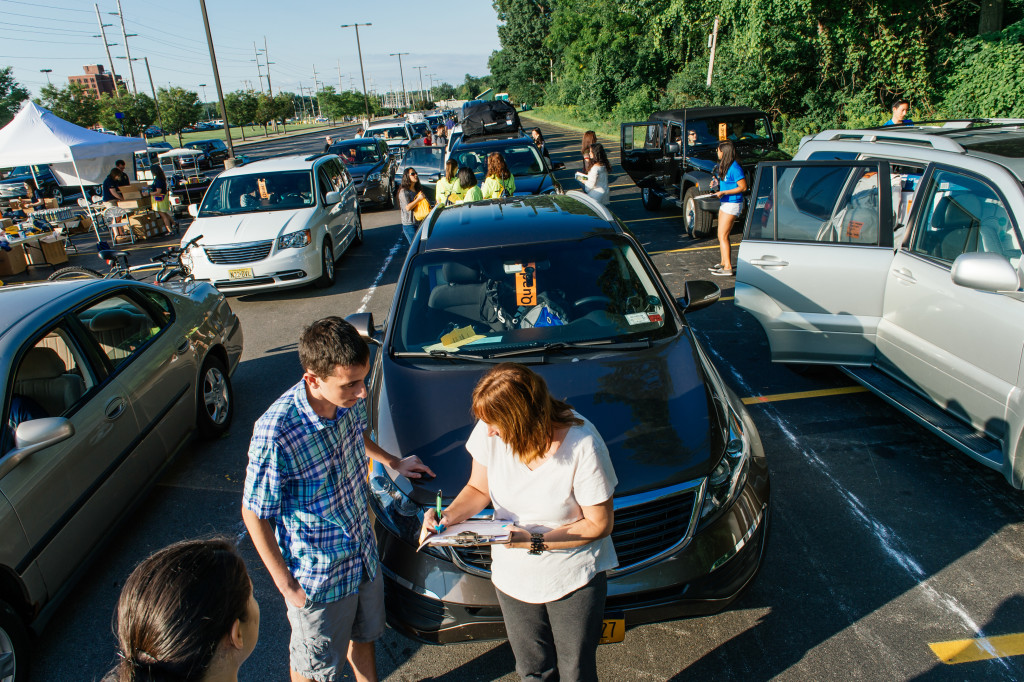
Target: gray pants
[{"x": 557, "y": 640}]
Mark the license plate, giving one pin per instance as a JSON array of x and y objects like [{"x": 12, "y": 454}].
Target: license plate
[
  {"x": 241, "y": 273},
  {"x": 613, "y": 630}
]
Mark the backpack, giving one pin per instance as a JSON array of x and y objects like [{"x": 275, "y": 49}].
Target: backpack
[{"x": 550, "y": 311}]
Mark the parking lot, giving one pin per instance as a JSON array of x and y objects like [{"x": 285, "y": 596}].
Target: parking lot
[{"x": 886, "y": 547}]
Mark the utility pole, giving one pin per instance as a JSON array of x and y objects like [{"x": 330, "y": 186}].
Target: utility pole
[
  {"x": 159, "y": 116},
  {"x": 270, "y": 89},
  {"x": 128, "y": 53},
  {"x": 430, "y": 97},
  {"x": 366, "y": 99},
  {"x": 316, "y": 89},
  {"x": 259, "y": 71},
  {"x": 341, "y": 86},
  {"x": 201, "y": 85},
  {"x": 405, "y": 95},
  {"x": 220, "y": 91},
  {"x": 713, "y": 44},
  {"x": 422, "y": 94},
  {"x": 106, "y": 46}
]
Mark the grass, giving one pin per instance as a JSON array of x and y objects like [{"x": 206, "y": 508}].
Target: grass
[
  {"x": 251, "y": 134},
  {"x": 570, "y": 118}
]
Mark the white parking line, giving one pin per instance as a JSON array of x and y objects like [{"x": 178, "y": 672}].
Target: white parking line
[{"x": 380, "y": 275}]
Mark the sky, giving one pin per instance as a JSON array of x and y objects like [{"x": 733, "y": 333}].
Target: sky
[{"x": 63, "y": 35}]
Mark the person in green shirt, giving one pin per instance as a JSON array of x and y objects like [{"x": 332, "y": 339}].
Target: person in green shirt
[
  {"x": 448, "y": 190},
  {"x": 467, "y": 181},
  {"x": 499, "y": 181}
]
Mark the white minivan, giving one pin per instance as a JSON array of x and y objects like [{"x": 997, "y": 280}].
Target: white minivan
[{"x": 282, "y": 222}]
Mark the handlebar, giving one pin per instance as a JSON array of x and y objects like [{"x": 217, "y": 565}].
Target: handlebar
[{"x": 174, "y": 253}]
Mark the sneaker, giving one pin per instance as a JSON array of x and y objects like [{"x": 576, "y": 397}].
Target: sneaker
[
  {"x": 722, "y": 272},
  {"x": 716, "y": 266}
]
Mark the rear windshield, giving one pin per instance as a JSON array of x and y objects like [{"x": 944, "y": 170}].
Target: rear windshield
[
  {"x": 355, "y": 154},
  {"x": 395, "y": 133},
  {"x": 522, "y": 159}
]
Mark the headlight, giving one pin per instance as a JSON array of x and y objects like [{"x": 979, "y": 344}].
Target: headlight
[
  {"x": 726, "y": 480},
  {"x": 373, "y": 177},
  {"x": 294, "y": 240},
  {"x": 401, "y": 516}
]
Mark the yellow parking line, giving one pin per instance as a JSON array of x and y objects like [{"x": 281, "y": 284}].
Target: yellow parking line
[
  {"x": 726, "y": 298},
  {"x": 661, "y": 217},
  {"x": 970, "y": 650},
  {"x": 628, "y": 184},
  {"x": 757, "y": 399}
]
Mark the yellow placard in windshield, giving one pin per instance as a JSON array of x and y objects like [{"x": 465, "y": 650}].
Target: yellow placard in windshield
[
  {"x": 262, "y": 184},
  {"x": 723, "y": 132},
  {"x": 526, "y": 285}
]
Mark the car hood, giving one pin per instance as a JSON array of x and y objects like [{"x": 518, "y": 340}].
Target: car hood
[
  {"x": 651, "y": 408},
  {"x": 361, "y": 168},
  {"x": 248, "y": 227},
  {"x": 532, "y": 184}
]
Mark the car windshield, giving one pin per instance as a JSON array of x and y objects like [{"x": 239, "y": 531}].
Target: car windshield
[
  {"x": 395, "y": 133},
  {"x": 283, "y": 190},
  {"x": 522, "y": 159},
  {"x": 592, "y": 291},
  {"x": 424, "y": 157},
  {"x": 751, "y": 129},
  {"x": 356, "y": 154}
]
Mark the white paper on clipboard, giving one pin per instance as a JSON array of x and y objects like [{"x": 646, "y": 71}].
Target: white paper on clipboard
[{"x": 470, "y": 534}]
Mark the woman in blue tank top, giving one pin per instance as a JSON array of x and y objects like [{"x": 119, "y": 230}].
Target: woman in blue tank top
[{"x": 732, "y": 185}]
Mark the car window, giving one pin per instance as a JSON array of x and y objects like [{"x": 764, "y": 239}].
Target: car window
[
  {"x": 161, "y": 305},
  {"x": 282, "y": 190},
  {"x": 339, "y": 175},
  {"x": 120, "y": 327},
  {"x": 961, "y": 213},
  {"x": 512, "y": 297},
  {"x": 50, "y": 381},
  {"x": 392, "y": 133},
  {"x": 642, "y": 136},
  {"x": 326, "y": 182},
  {"x": 357, "y": 153}
]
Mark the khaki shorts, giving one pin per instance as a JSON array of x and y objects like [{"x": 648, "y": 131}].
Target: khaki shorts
[{"x": 321, "y": 632}]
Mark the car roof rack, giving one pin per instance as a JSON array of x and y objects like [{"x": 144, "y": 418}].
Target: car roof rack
[
  {"x": 314, "y": 157},
  {"x": 593, "y": 203},
  {"x": 910, "y": 137}
]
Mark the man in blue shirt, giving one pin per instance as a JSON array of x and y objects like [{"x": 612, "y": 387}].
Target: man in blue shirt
[
  {"x": 306, "y": 505},
  {"x": 900, "y": 109}
]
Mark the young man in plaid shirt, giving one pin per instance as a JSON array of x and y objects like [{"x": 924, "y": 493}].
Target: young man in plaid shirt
[{"x": 305, "y": 506}]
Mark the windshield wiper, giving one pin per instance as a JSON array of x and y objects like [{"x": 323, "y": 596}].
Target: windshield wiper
[
  {"x": 440, "y": 354},
  {"x": 604, "y": 344},
  {"x": 209, "y": 213}
]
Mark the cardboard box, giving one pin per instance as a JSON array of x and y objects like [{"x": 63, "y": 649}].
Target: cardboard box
[
  {"x": 50, "y": 203},
  {"x": 5, "y": 223},
  {"x": 135, "y": 204},
  {"x": 12, "y": 262},
  {"x": 47, "y": 251}
]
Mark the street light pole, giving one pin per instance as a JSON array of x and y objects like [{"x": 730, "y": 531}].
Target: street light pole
[
  {"x": 106, "y": 46},
  {"x": 366, "y": 99},
  {"x": 203, "y": 86},
  {"x": 220, "y": 90},
  {"x": 405, "y": 95},
  {"x": 422, "y": 93},
  {"x": 47, "y": 72}
]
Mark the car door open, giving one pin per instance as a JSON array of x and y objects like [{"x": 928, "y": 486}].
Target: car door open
[{"x": 816, "y": 247}]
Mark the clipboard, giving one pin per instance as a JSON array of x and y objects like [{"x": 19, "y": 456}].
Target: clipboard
[{"x": 473, "y": 533}]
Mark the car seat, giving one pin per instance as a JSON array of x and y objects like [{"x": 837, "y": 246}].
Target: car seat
[
  {"x": 960, "y": 225},
  {"x": 118, "y": 331},
  {"x": 43, "y": 377},
  {"x": 462, "y": 293}
]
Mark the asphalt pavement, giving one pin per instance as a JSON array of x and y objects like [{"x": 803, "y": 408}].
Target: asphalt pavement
[{"x": 885, "y": 544}]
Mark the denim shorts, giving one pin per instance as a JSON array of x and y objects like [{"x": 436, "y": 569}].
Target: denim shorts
[{"x": 321, "y": 632}]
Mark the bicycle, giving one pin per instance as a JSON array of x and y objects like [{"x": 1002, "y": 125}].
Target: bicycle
[{"x": 170, "y": 263}]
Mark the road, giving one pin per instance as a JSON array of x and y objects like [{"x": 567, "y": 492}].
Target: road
[{"x": 883, "y": 539}]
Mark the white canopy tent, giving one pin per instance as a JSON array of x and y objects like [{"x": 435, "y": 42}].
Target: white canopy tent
[{"x": 76, "y": 155}]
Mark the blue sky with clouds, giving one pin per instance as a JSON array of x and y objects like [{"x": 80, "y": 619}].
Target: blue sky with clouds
[{"x": 58, "y": 35}]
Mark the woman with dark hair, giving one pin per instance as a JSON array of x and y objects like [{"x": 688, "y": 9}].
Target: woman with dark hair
[
  {"x": 538, "y": 139},
  {"x": 589, "y": 138},
  {"x": 545, "y": 468},
  {"x": 499, "y": 181},
  {"x": 467, "y": 182},
  {"x": 34, "y": 196},
  {"x": 596, "y": 182},
  {"x": 186, "y": 614},
  {"x": 161, "y": 197},
  {"x": 732, "y": 183},
  {"x": 409, "y": 197},
  {"x": 448, "y": 190}
]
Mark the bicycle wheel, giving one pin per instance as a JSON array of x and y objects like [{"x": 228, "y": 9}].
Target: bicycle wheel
[{"x": 74, "y": 272}]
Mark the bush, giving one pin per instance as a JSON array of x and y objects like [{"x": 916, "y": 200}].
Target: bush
[{"x": 987, "y": 76}]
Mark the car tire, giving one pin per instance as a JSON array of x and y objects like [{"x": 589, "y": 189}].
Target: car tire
[
  {"x": 57, "y": 196},
  {"x": 216, "y": 400},
  {"x": 14, "y": 640},
  {"x": 697, "y": 222},
  {"x": 327, "y": 273},
  {"x": 650, "y": 200}
]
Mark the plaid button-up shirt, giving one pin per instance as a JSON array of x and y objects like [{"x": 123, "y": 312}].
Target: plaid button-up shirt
[{"x": 308, "y": 474}]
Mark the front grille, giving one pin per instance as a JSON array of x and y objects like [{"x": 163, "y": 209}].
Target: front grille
[
  {"x": 238, "y": 253},
  {"x": 12, "y": 190},
  {"x": 642, "y": 530}
]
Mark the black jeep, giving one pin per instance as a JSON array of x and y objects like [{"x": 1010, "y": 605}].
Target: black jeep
[{"x": 671, "y": 156}]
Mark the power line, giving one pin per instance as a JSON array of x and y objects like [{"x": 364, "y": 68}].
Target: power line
[{"x": 36, "y": 4}]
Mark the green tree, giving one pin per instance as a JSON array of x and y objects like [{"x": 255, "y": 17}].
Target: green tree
[
  {"x": 11, "y": 95},
  {"x": 284, "y": 107},
  {"x": 71, "y": 103},
  {"x": 522, "y": 67},
  {"x": 472, "y": 87},
  {"x": 138, "y": 113},
  {"x": 444, "y": 91},
  {"x": 266, "y": 111},
  {"x": 179, "y": 109},
  {"x": 241, "y": 106}
]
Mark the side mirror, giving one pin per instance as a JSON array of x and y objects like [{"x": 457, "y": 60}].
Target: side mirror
[
  {"x": 363, "y": 322},
  {"x": 672, "y": 148},
  {"x": 985, "y": 272},
  {"x": 558, "y": 166},
  {"x": 777, "y": 138},
  {"x": 699, "y": 294},
  {"x": 332, "y": 198},
  {"x": 33, "y": 436},
  {"x": 193, "y": 210}
]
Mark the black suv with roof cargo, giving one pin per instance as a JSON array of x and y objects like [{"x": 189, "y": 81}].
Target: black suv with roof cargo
[{"x": 671, "y": 156}]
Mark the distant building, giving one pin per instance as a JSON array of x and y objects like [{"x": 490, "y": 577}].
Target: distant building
[{"x": 96, "y": 81}]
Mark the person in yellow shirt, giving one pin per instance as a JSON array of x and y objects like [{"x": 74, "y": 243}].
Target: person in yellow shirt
[
  {"x": 499, "y": 181},
  {"x": 448, "y": 190},
  {"x": 467, "y": 181}
]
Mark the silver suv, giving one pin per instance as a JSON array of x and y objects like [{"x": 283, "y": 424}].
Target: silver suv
[{"x": 895, "y": 254}]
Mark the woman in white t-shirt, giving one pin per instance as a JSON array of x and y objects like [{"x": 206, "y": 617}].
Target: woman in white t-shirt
[
  {"x": 596, "y": 182},
  {"x": 545, "y": 468}
]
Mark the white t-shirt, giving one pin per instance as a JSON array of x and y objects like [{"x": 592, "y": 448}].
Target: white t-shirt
[
  {"x": 596, "y": 184},
  {"x": 578, "y": 473}
]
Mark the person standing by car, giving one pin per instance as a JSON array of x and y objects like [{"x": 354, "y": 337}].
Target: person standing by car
[
  {"x": 467, "y": 183},
  {"x": 732, "y": 184},
  {"x": 111, "y": 188},
  {"x": 900, "y": 109},
  {"x": 306, "y": 505},
  {"x": 596, "y": 182},
  {"x": 499, "y": 181},
  {"x": 328, "y": 141},
  {"x": 589, "y": 138},
  {"x": 188, "y": 612},
  {"x": 161, "y": 197},
  {"x": 448, "y": 191},
  {"x": 441, "y": 136},
  {"x": 545, "y": 468},
  {"x": 538, "y": 139},
  {"x": 410, "y": 197}
]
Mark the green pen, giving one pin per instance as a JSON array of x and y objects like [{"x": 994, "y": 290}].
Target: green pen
[{"x": 438, "y": 527}]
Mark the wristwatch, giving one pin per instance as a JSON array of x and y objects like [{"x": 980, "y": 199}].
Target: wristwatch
[{"x": 537, "y": 543}]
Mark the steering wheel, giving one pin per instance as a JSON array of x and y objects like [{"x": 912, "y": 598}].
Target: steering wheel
[{"x": 596, "y": 301}]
